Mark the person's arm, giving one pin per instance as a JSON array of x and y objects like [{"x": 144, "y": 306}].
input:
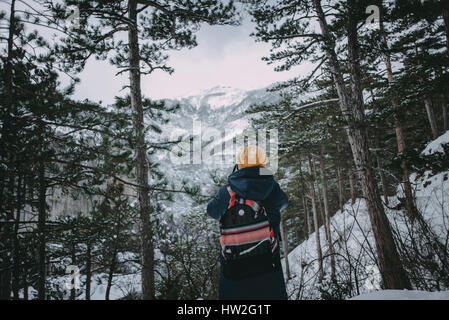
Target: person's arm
[
  {"x": 274, "y": 204},
  {"x": 218, "y": 205}
]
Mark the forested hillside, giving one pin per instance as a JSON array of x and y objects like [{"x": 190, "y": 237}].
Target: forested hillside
[
  {"x": 355, "y": 259},
  {"x": 108, "y": 201}
]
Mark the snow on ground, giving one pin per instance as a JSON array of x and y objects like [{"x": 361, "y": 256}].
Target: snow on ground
[
  {"x": 122, "y": 286},
  {"x": 353, "y": 240},
  {"x": 403, "y": 295},
  {"x": 350, "y": 232},
  {"x": 437, "y": 144}
]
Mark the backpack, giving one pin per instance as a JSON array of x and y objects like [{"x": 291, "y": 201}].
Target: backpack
[{"x": 248, "y": 242}]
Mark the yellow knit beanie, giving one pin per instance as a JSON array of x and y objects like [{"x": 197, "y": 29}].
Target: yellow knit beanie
[{"x": 251, "y": 156}]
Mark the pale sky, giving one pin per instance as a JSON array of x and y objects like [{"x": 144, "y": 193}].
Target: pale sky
[{"x": 224, "y": 56}]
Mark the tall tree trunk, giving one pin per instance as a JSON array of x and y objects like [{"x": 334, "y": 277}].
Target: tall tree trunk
[
  {"x": 88, "y": 270},
  {"x": 383, "y": 183},
  {"x": 8, "y": 64},
  {"x": 6, "y": 229},
  {"x": 306, "y": 227},
  {"x": 297, "y": 223},
  {"x": 378, "y": 160},
  {"x": 444, "y": 112},
  {"x": 341, "y": 195},
  {"x": 42, "y": 212},
  {"x": 327, "y": 214},
  {"x": 6, "y": 263},
  {"x": 16, "y": 246},
  {"x": 111, "y": 274},
  {"x": 428, "y": 106},
  {"x": 391, "y": 269},
  {"x": 311, "y": 222},
  {"x": 25, "y": 284},
  {"x": 382, "y": 179},
  {"x": 351, "y": 185},
  {"x": 316, "y": 225},
  {"x": 320, "y": 205},
  {"x": 410, "y": 205},
  {"x": 73, "y": 253},
  {"x": 431, "y": 118},
  {"x": 147, "y": 246},
  {"x": 285, "y": 248}
]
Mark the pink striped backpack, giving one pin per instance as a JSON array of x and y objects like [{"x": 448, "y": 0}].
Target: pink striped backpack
[{"x": 248, "y": 242}]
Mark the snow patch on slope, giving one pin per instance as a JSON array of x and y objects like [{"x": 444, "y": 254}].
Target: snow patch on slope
[{"x": 436, "y": 146}]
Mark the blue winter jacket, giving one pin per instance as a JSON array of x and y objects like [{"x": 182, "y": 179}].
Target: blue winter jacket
[{"x": 250, "y": 184}]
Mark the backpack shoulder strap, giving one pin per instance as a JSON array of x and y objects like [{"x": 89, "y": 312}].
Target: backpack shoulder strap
[
  {"x": 255, "y": 205},
  {"x": 232, "y": 194}
]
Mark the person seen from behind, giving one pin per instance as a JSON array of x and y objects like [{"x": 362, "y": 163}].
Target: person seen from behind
[{"x": 248, "y": 209}]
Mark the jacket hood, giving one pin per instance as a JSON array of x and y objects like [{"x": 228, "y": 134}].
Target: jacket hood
[{"x": 250, "y": 184}]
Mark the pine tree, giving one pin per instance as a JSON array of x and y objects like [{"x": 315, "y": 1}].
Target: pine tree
[
  {"x": 47, "y": 145},
  {"x": 295, "y": 43},
  {"x": 165, "y": 25}
]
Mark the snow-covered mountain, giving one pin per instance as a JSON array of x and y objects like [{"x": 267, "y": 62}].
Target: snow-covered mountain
[
  {"x": 215, "y": 97},
  {"x": 219, "y": 109}
]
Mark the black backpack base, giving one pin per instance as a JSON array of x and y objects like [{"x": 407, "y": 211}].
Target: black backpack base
[{"x": 250, "y": 266}]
